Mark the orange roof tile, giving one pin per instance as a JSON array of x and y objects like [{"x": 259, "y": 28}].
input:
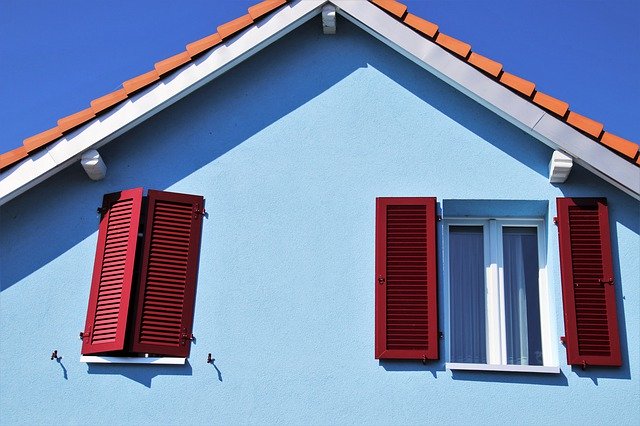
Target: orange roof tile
[
  {"x": 232, "y": 27},
  {"x": 485, "y": 64},
  {"x": 107, "y": 101},
  {"x": 137, "y": 83},
  {"x": 621, "y": 145},
  {"x": 36, "y": 142},
  {"x": 458, "y": 47},
  {"x": 625, "y": 148},
  {"x": 393, "y": 7},
  {"x": 13, "y": 156},
  {"x": 206, "y": 43},
  {"x": 585, "y": 124},
  {"x": 518, "y": 84},
  {"x": 143, "y": 80},
  {"x": 167, "y": 65},
  {"x": 69, "y": 122},
  {"x": 550, "y": 103},
  {"x": 523, "y": 87},
  {"x": 258, "y": 10},
  {"x": 421, "y": 25}
]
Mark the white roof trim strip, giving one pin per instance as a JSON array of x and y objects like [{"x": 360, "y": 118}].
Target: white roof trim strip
[
  {"x": 155, "y": 98},
  {"x": 518, "y": 111}
]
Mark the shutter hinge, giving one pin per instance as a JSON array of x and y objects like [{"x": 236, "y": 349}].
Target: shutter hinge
[
  {"x": 186, "y": 336},
  {"x": 381, "y": 280},
  {"x": 555, "y": 220},
  {"x": 438, "y": 217},
  {"x": 102, "y": 210},
  {"x": 424, "y": 359},
  {"x": 563, "y": 340},
  {"x": 85, "y": 335},
  {"x": 584, "y": 364},
  {"x": 202, "y": 211},
  {"x": 440, "y": 335},
  {"x": 607, "y": 281}
]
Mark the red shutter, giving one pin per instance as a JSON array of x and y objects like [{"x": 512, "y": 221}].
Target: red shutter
[
  {"x": 164, "y": 315},
  {"x": 110, "y": 294},
  {"x": 588, "y": 287},
  {"x": 406, "y": 279}
]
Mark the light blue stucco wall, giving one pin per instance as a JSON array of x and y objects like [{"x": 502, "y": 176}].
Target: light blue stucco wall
[{"x": 290, "y": 150}]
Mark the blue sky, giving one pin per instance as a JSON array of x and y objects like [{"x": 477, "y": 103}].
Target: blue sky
[{"x": 59, "y": 55}]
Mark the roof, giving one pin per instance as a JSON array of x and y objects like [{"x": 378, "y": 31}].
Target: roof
[
  {"x": 583, "y": 149},
  {"x": 524, "y": 88}
]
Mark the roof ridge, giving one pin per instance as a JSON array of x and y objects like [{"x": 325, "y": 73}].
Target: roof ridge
[
  {"x": 133, "y": 85},
  {"x": 592, "y": 129},
  {"x": 524, "y": 88}
]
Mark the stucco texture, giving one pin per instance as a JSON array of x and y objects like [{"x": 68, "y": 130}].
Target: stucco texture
[{"x": 290, "y": 150}]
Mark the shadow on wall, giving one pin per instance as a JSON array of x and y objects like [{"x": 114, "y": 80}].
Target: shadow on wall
[
  {"x": 39, "y": 226},
  {"x": 469, "y": 114},
  {"x": 438, "y": 367},
  {"x": 173, "y": 144},
  {"x": 141, "y": 375},
  {"x": 595, "y": 373},
  {"x": 525, "y": 378},
  {"x": 413, "y": 365}
]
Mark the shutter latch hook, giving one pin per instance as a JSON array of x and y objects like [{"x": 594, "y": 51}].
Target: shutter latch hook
[
  {"x": 184, "y": 337},
  {"x": 607, "y": 281}
]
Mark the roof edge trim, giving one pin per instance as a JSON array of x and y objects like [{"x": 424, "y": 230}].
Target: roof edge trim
[
  {"x": 568, "y": 132},
  {"x": 519, "y": 111},
  {"x": 153, "y": 99}
]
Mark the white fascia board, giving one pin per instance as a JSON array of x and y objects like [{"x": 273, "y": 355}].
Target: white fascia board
[
  {"x": 428, "y": 55},
  {"x": 441, "y": 63},
  {"x": 155, "y": 98},
  {"x": 36, "y": 168},
  {"x": 589, "y": 154},
  {"x": 520, "y": 112}
]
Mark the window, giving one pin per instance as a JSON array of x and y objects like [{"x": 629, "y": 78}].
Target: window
[
  {"x": 497, "y": 309},
  {"x": 497, "y": 298},
  {"x": 144, "y": 279}
]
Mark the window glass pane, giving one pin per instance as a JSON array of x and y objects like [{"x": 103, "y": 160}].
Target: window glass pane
[
  {"x": 521, "y": 300},
  {"x": 466, "y": 276}
]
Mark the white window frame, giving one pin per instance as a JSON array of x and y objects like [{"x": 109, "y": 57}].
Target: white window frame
[{"x": 494, "y": 300}]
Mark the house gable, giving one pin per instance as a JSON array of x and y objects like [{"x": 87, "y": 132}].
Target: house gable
[
  {"x": 290, "y": 165},
  {"x": 515, "y": 99}
]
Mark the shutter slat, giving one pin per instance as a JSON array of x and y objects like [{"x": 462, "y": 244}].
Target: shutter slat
[
  {"x": 406, "y": 301},
  {"x": 111, "y": 285},
  {"x": 164, "y": 314},
  {"x": 591, "y": 324}
]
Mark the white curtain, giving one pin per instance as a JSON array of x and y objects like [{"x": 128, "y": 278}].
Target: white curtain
[
  {"x": 521, "y": 299},
  {"x": 467, "y": 294}
]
